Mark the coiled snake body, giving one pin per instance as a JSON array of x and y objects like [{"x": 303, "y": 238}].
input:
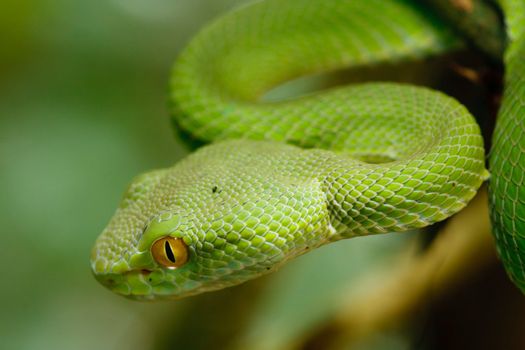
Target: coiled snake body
[{"x": 281, "y": 178}]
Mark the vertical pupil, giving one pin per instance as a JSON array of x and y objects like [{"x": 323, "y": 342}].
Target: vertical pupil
[{"x": 169, "y": 252}]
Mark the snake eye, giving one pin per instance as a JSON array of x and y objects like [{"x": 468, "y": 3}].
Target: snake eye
[{"x": 170, "y": 252}]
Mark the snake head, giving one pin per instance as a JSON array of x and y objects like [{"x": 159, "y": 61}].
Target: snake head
[
  {"x": 147, "y": 250},
  {"x": 173, "y": 259},
  {"x": 187, "y": 229}
]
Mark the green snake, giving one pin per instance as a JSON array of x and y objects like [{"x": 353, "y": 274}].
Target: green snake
[
  {"x": 507, "y": 162},
  {"x": 281, "y": 178}
]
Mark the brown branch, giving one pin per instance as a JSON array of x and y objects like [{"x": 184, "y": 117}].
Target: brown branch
[{"x": 477, "y": 20}]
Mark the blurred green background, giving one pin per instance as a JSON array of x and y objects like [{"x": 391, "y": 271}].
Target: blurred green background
[{"x": 83, "y": 96}]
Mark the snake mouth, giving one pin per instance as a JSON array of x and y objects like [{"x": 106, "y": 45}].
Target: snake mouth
[
  {"x": 140, "y": 284},
  {"x": 134, "y": 284}
]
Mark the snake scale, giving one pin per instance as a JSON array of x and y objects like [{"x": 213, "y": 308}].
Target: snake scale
[{"x": 281, "y": 178}]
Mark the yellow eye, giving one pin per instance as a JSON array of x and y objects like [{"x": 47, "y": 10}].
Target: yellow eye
[{"x": 170, "y": 252}]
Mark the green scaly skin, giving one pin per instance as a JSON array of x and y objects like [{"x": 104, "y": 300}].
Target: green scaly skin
[
  {"x": 286, "y": 177},
  {"x": 507, "y": 161}
]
